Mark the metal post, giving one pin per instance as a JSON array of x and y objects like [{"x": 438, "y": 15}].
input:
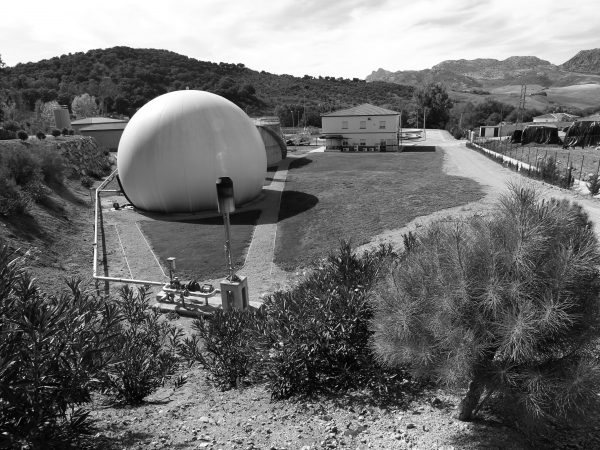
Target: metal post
[
  {"x": 228, "y": 245},
  {"x": 400, "y": 130},
  {"x": 581, "y": 169}
]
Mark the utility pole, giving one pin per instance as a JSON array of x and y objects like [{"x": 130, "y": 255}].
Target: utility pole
[
  {"x": 424, "y": 127},
  {"x": 521, "y": 105}
]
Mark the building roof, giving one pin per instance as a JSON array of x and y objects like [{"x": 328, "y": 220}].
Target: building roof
[
  {"x": 104, "y": 126},
  {"x": 558, "y": 117},
  {"x": 366, "y": 109},
  {"x": 95, "y": 120}
]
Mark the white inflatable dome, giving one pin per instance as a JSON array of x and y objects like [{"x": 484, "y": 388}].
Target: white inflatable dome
[{"x": 176, "y": 146}]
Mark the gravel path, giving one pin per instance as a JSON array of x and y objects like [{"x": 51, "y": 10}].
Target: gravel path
[{"x": 262, "y": 273}]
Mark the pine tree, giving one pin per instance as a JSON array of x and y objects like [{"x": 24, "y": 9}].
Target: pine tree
[{"x": 507, "y": 305}]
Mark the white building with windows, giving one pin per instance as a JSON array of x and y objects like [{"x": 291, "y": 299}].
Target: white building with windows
[{"x": 362, "y": 128}]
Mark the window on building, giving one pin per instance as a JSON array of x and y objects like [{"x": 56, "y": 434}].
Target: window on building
[
  {"x": 345, "y": 143},
  {"x": 363, "y": 124},
  {"x": 363, "y": 142},
  {"x": 382, "y": 124},
  {"x": 344, "y": 124}
]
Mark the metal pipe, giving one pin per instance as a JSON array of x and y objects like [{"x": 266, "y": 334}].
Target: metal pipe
[
  {"x": 95, "y": 244},
  {"x": 130, "y": 280}
]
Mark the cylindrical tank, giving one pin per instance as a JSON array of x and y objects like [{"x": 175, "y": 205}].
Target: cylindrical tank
[
  {"x": 61, "y": 118},
  {"x": 175, "y": 148}
]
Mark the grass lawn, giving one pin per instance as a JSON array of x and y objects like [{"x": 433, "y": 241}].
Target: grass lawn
[
  {"x": 359, "y": 196},
  {"x": 574, "y": 156},
  {"x": 199, "y": 245}
]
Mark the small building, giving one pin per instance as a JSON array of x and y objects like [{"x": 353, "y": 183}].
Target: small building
[
  {"x": 105, "y": 130},
  {"x": 489, "y": 131},
  {"x": 362, "y": 128}
]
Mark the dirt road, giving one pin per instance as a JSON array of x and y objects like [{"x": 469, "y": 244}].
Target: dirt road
[{"x": 464, "y": 162}]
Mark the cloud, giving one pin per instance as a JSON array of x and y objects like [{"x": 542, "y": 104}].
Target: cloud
[{"x": 347, "y": 38}]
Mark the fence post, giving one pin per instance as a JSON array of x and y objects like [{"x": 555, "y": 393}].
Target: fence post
[{"x": 581, "y": 170}]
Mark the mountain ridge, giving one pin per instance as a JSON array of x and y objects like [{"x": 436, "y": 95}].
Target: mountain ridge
[{"x": 489, "y": 72}]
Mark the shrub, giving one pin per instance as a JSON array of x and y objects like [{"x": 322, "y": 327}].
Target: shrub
[
  {"x": 12, "y": 200},
  {"x": 53, "y": 166},
  {"x": 65, "y": 131},
  {"x": 40, "y": 135},
  {"x": 22, "y": 134},
  {"x": 71, "y": 132},
  {"x": 7, "y": 134},
  {"x": 11, "y": 125},
  {"x": 593, "y": 184},
  {"x": 507, "y": 304},
  {"x": 22, "y": 166},
  {"x": 56, "y": 132},
  {"x": 311, "y": 339},
  {"x": 51, "y": 348},
  {"x": 224, "y": 344},
  {"x": 86, "y": 181},
  {"x": 144, "y": 347},
  {"x": 317, "y": 334}
]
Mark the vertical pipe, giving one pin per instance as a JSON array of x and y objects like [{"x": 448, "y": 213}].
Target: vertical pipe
[
  {"x": 228, "y": 245},
  {"x": 581, "y": 169}
]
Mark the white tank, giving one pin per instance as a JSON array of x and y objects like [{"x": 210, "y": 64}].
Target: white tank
[{"x": 176, "y": 146}]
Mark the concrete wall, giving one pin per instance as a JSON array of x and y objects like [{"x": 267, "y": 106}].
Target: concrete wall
[{"x": 106, "y": 138}]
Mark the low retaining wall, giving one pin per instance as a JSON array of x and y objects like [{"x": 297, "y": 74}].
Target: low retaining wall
[{"x": 520, "y": 164}]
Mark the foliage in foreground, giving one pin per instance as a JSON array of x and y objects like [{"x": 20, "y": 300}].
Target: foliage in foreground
[
  {"x": 144, "y": 349},
  {"x": 311, "y": 339},
  {"x": 508, "y": 305},
  {"x": 56, "y": 349},
  {"x": 51, "y": 351}
]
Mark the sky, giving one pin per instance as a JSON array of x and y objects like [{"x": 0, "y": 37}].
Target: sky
[{"x": 340, "y": 38}]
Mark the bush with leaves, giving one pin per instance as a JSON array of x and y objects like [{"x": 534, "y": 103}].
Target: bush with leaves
[
  {"x": 56, "y": 132},
  {"x": 40, "y": 135},
  {"x": 316, "y": 336},
  {"x": 224, "y": 344},
  {"x": 145, "y": 349},
  {"x": 593, "y": 184},
  {"x": 12, "y": 200},
  {"x": 506, "y": 304},
  {"x": 7, "y": 134},
  {"x": 22, "y": 134},
  {"x": 52, "y": 348},
  {"x": 53, "y": 165}
]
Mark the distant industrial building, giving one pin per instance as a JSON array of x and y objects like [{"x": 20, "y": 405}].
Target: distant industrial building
[
  {"x": 105, "y": 130},
  {"x": 270, "y": 132},
  {"x": 362, "y": 128}
]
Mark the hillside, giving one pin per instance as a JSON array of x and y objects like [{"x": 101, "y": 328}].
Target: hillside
[
  {"x": 478, "y": 79},
  {"x": 54, "y": 230},
  {"x": 586, "y": 61},
  {"x": 123, "y": 79}
]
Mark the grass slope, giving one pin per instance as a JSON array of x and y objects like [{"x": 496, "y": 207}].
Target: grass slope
[
  {"x": 198, "y": 245},
  {"x": 360, "y": 196}
]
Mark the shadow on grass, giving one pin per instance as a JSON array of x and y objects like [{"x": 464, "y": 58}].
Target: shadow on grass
[
  {"x": 418, "y": 148},
  {"x": 299, "y": 162},
  {"x": 25, "y": 227},
  {"x": 65, "y": 193},
  {"x": 294, "y": 203}
]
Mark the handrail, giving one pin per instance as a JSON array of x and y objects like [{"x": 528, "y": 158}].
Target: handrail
[{"x": 97, "y": 207}]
